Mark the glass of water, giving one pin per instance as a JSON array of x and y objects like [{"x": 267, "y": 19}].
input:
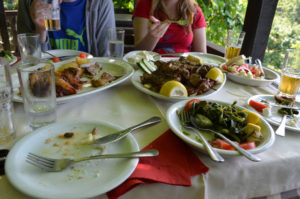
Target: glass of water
[
  {"x": 7, "y": 129},
  {"x": 29, "y": 47},
  {"x": 38, "y": 91},
  {"x": 116, "y": 42}
]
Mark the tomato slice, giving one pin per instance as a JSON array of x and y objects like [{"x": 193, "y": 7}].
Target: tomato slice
[
  {"x": 190, "y": 103},
  {"x": 56, "y": 59},
  {"x": 82, "y": 55},
  {"x": 248, "y": 145},
  {"x": 222, "y": 144},
  {"x": 257, "y": 105},
  {"x": 224, "y": 67}
]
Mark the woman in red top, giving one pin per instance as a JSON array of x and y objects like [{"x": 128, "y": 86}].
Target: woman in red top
[{"x": 169, "y": 37}]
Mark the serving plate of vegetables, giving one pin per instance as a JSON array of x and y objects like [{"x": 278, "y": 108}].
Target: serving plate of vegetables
[
  {"x": 271, "y": 110},
  {"x": 248, "y": 129}
]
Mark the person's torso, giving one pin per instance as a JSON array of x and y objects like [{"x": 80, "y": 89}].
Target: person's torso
[
  {"x": 176, "y": 39},
  {"x": 73, "y": 28}
]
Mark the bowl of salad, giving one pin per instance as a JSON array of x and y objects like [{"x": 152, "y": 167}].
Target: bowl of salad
[
  {"x": 249, "y": 74},
  {"x": 248, "y": 129}
]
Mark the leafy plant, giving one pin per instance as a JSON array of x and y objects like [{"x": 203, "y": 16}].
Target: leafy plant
[
  {"x": 222, "y": 15},
  {"x": 284, "y": 33}
]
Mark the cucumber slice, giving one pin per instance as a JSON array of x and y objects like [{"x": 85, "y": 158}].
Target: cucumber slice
[
  {"x": 150, "y": 65},
  {"x": 143, "y": 67}
]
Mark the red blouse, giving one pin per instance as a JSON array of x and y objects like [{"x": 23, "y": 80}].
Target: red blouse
[{"x": 177, "y": 38}]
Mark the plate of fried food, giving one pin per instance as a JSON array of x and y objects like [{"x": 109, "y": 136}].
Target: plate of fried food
[
  {"x": 182, "y": 78},
  {"x": 83, "y": 76}
]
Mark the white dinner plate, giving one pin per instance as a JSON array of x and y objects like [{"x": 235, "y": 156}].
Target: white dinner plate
[
  {"x": 60, "y": 53},
  {"x": 85, "y": 179},
  {"x": 113, "y": 66},
  {"x": 136, "y": 81},
  {"x": 271, "y": 76},
  {"x": 275, "y": 117},
  {"x": 174, "y": 123}
]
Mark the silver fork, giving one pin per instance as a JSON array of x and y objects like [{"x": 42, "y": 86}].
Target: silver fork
[
  {"x": 184, "y": 119},
  {"x": 242, "y": 151},
  {"x": 50, "y": 164},
  {"x": 181, "y": 22}
]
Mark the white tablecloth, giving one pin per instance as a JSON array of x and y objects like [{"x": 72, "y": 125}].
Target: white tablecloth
[{"x": 237, "y": 177}]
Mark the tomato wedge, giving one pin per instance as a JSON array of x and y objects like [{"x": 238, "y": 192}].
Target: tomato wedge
[
  {"x": 222, "y": 144},
  {"x": 248, "y": 145},
  {"x": 55, "y": 59},
  {"x": 190, "y": 103},
  {"x": 258, "y": 106},
  {"x": 82, "y": 55}
]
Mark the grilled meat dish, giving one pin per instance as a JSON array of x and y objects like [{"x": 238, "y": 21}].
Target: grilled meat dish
[
  {"x": 190, "y": 74},
  {"x": 63, "y": 87},
  {"x": 104, "y": 79}
]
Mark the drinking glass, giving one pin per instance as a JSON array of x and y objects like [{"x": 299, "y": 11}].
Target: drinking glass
[
  {"x": 29, "y": 47},
  {"x": 52, "y": 18},
  {"x": 7, "y": 129},
  {"x": 38, "y": 91},
  {"x": 290, "y": 74},
  {"x": 116, "y": 42},
  {"x": 234, "y": 43}
]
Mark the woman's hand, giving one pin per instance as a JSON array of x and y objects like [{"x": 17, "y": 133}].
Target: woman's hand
[
  {"x": 147, "y": 35},
  {"x": 157, "y": 29}
]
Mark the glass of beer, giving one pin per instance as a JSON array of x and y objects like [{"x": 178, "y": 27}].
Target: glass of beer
[
  {"x": 52, "y": 18},
  {"x": 290, "y": 74},
  {"x": 234, "y": 43}
]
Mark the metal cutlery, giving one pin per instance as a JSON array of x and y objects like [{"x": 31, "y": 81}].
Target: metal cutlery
[
  {"x": 281, "y": 129},
  {"x": 242, "y": 151},
  {"x": 277, "y": 105},
  {"x": 184, "y": 120},
  {"x": 50, "y": 164},
  {"x": 181, "y": 22},
  {"x": 119, "y": 135}
]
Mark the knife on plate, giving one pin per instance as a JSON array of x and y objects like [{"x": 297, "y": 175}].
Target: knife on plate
[{"x": 119, "y": 135}]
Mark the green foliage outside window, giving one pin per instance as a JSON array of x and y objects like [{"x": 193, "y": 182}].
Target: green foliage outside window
[
  {"x": 285, "y": 33},
  {"x": 222, "y": 15}
]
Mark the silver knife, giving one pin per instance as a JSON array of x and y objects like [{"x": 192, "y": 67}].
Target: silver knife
[{"x": 119, "y": 135}]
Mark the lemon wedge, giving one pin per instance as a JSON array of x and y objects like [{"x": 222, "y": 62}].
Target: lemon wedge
[
  {"x": 173, "y": 88},
  {"x": 194, "y": 58},
  {"x": 215, "y": 74}
]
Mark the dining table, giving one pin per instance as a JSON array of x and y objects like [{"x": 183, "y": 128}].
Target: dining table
[{"x": 276, "y": 176}]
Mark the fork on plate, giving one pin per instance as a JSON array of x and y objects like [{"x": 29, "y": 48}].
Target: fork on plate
[
  {"x": 184, "y": 120},
  {"x": 51, "y": 164}
]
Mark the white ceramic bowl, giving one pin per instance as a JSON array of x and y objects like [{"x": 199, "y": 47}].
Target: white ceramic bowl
[
  {"x": 271, "y": 76},
  {"x": 174, "y": 124}
]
